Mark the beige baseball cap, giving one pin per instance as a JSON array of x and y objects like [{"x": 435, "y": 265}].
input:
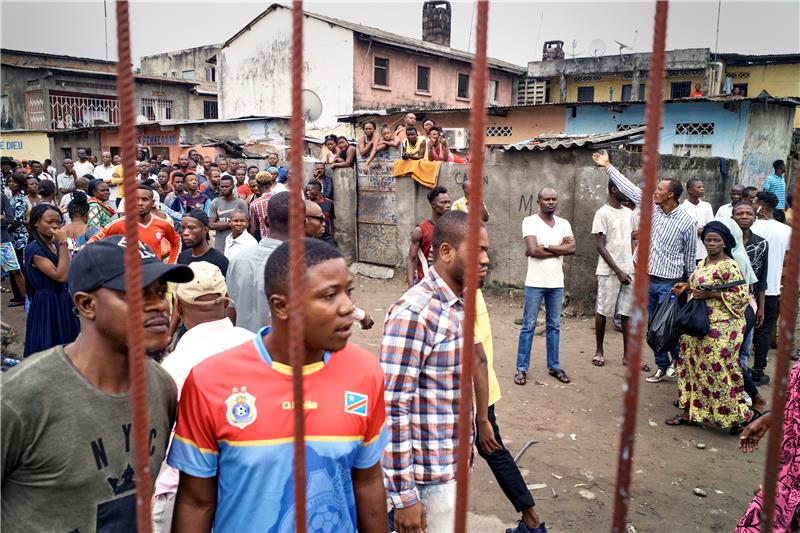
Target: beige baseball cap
[{"x": 208, "y": 279}]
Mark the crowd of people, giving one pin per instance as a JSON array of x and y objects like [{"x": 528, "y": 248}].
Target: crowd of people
[{"x": 380, "y": 441}]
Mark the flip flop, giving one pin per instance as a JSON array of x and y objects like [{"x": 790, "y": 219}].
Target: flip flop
[
  {"x": 520, "y": 378},
  {"x": 598, "y": 360},
  {"x": 678, "y": 420}
]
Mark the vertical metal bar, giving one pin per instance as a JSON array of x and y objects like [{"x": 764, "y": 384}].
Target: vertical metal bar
[
  {"x": 296, "y": 260},
  {"x": 477, "y": 132},
  {"x": 788, "y": 315},
  {"x": 653, "y": 110},
  {"x": 133, "y": 276}
]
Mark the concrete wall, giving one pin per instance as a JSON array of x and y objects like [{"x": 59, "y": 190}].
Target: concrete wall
[
  {"x": 178, "y": 94},
  {"x": 14, "y": 84},
  {"x": 769, "y": 136},
  {"x": 26, "y": 145},
  {"x": 512, "y": 182},
  {"x": 402, "y": 88},
  {"x": 72, "y": 140},
  {"x": 254, "y": 74},
  {"x": 730, "y": 123},
  {"x": 172, "y": 64}
]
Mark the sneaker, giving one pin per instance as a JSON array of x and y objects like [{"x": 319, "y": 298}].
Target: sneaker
[
  {"x": 671, "y": 372},
  {"x": 759, "y": 377},
  {"x": 522, "y": 528},
  {"x": 658, "y": 377}
]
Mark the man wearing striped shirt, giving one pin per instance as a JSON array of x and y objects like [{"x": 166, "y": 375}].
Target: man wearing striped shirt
[
  {"x": 672, "y": 246},
  {"x": 421, "y": 359}
]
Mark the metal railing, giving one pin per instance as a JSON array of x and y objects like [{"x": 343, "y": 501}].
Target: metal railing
[{"x": 67, "y": 112}]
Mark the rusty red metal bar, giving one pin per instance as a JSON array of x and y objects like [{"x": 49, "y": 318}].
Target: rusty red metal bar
[
  {"x": 653, "y": 116},
  {"x": 297, "y": 211},
  {"x": 133, "y": 274},
  {"x": 477, "y": 133},
  {"x": 788, "y": 316}
]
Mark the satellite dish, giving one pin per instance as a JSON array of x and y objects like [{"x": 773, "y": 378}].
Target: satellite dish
[
  {"x": 312, "y": 105},
  {"x": 597, "y": 47},
  {"x": 577, "y": 49}
]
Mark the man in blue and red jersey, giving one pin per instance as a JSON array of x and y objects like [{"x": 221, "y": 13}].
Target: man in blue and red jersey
[{"x": 233, "y": 443}]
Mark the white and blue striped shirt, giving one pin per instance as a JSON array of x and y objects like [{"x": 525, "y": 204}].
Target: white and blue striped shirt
[{"x": 672, "y": 244}]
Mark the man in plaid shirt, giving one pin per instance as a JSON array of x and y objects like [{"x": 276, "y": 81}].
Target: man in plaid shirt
[{"x": 421, "y": 358}]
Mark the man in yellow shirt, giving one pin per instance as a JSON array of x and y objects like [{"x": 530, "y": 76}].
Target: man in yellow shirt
[
  {"x": 489, "y": 443},
  {"x": 462, "y": 204}
]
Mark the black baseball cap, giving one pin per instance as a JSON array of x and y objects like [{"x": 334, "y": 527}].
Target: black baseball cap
[{"x": 101, "y": 264}]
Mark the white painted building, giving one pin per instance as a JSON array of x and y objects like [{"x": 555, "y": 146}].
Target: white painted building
[
  {"x": 350, "y": 67},
  {"x": 255, "y": 68}
]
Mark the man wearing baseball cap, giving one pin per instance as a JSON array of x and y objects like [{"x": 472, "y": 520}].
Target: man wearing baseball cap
[
  {"x": 202, "y": 305},
  {"x": 67, "y": 446}
]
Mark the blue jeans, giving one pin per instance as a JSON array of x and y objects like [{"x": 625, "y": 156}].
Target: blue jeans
[
  {"x": 657, "y": 292},
  {"x": 553, "y": 301}
]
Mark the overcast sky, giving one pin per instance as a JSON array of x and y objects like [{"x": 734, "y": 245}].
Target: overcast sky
[{"x": 517, "y": 29}]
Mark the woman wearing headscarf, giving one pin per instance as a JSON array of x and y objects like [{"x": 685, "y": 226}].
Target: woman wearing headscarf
[
  {"x": 50, "y": 321},
  {"x": 101, "y": 213},
  {"x": 710, "y": 381}
]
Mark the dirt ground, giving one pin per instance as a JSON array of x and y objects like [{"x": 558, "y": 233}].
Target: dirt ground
[{"x": 576, "y": 427}]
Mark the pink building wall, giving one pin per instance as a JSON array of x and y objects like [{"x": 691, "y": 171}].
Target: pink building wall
[{"x": 403, "y": 79}]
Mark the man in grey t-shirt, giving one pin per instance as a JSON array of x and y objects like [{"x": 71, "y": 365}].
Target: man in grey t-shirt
[
  {"x": 221, "y": 209},
  {"x": 67, "y": 441},
  {"x": 245, "y": 278}
]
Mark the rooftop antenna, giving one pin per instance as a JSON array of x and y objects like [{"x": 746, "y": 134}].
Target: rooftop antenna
[
  {"x": 575, "y": 51},
  {"x": 623, "y": 46},
  {"x": 598, "y": 47}
]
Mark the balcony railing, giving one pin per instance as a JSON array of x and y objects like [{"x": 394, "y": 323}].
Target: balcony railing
[{"x": 78, "y": 111}]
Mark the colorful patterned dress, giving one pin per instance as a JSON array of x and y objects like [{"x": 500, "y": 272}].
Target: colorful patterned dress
[
  {"x": 787, "y": 496},
  {"x": 710, "y": 377},
  {"x": 100, "y": 213}
]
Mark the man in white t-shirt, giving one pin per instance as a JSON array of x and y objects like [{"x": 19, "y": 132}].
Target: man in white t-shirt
[
  {"x": 613, "y": 226},
  {"x": 777, "y": 236},
  {"x": 105, "y": 171},
  {"x": 701, "y": 212},
  {"x": 547, "y": 239},
  {"x": 83, "y": 166},
  {"x": 202, "y": 305},
  {"x": 726, "y": 211}
]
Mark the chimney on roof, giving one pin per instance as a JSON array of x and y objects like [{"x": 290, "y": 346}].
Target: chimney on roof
[{"x": 436, "y": 22}]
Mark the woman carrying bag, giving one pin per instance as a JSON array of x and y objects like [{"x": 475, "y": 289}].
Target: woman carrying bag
[{"x": 710, "y": 381}]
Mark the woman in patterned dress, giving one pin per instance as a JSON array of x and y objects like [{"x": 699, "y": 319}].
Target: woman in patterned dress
[
  {"x": 787, "y": 497},
  {"x": 101, "y": 214},
  {"x": 710, "y": 380}
]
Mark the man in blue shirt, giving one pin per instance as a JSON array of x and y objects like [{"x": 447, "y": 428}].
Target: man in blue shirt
[{"x": 776, "y": 184}]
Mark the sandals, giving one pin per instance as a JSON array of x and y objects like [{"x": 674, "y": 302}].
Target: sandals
[
  {"x": 679, "y": 420},
  {"x": 598, "y": 360},
  {"x": 735, "y": 430},
  {"x": 644, "y": 368},
  {"x": 559, "y": 374},
  {"x": 520, "y": 377}
]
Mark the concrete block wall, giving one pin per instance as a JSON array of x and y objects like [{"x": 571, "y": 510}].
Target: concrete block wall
[{"x": 511, "y": 183}]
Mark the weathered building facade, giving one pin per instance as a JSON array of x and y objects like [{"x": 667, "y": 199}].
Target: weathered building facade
[
  {"x": 348, "y": 67},
  {"x": 189, "y": 64}
]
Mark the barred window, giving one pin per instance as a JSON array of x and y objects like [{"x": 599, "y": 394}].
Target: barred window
[
  {"x": 499, "y": 131},
  {"x": 694, "y": 128},
  {"x": 156, "y": 109}
]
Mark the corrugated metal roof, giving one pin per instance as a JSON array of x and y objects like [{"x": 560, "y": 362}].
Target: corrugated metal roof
[
  {"x": 181, "y": 122},
  {"x": 554, "y": 142},
  {"x": 762, "y": 97},
  {"x": 386, "y": 37}
]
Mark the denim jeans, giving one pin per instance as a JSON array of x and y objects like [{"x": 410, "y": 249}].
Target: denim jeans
[
  {"x": 553, "y": 300},
  {"x": 657, "y": 292}
]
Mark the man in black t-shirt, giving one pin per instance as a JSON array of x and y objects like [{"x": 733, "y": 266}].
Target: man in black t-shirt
[
  {"x": 194, "y": 230},
  {"x": 314, "y": 193}
]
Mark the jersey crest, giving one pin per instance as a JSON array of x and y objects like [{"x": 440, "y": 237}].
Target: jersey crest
[{"x": 241, "y": 408}]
